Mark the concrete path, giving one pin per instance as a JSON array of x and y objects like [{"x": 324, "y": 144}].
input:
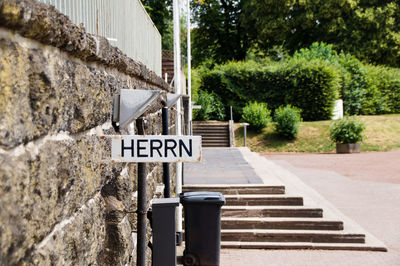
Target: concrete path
[
  {"x": 220, "y": 166},
  {"x": 375, "y": 206},
  {"x": 369, "y": 166}
]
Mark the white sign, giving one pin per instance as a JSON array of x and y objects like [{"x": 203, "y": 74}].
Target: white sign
[
  {"x": 137, "y": 148},
  {"x": 337, "y": 110}
]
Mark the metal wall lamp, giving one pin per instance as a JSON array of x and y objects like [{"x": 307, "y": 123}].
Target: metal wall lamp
[
  {"x": 172, "y": 99},
  {"x": 130, "y": 105}
]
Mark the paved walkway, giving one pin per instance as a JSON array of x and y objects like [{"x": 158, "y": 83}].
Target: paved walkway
[
  {"x": 370, "y": 166},
  {"x": 370, "y": 199},
  {"x": 220, "y": 166}
]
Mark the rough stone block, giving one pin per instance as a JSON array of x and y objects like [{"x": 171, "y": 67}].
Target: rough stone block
[
  {"x": 43, "y": 91},
  {"x": 119, "y": 243},
  {"x": 43, "y": 184},
  {"x": 78, "y": 240}
]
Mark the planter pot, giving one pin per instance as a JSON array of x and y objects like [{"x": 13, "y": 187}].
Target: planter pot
[{"x": 348, "y": 147}]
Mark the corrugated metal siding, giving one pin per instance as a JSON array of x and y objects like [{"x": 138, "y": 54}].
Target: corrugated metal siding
[{"x": 124, "y": 22}]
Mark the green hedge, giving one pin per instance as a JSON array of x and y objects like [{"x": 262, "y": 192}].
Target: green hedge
[
  {"x": 366, "y": 89},
  {"x": 353, "y": 76},
  {"x": 311, "y": 86},
  {"x": 383, "y": 93},
  {"x": 310, "y": 80}
]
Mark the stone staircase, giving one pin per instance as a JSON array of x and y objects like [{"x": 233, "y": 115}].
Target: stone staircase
[
  {"x": 213, "y": 133},
  {"x": 264, "y": 217}
]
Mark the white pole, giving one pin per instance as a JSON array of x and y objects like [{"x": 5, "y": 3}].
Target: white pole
[
  {"x": 189, "y": 68},
  {"x": 177, "y": 86}
]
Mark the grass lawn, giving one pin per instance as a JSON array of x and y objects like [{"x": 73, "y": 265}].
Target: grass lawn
[{"x": 382, "y": 134}]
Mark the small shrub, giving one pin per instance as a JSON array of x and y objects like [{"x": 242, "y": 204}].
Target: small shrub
[
  {"x": 287, "y": 121},
  {"x": 257, "y": 115},
  {"x": 211, "y": 107},
  {"x": 347, "y": 130}
]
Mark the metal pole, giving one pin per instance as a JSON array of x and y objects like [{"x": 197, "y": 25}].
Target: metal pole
[
  {"x": 166, "y": 176},
  {"x": 189, "y": 67},
  {"x": 245, "y": 133},
  {"x": 141, "y": 206},
  {"x": 177, "y": 84},
  {"x": 231, "y": 112}
]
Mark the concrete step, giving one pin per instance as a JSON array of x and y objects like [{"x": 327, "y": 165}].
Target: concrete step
[
  {"x": 214, "y": 122},
  {"x": 219, "y": 137},
  {"x": 263, "y": 200},
  {"x": 210, "y": 129},
  {"x": 315, "y": 236},
  {"x": 215, "y": 137},
  {"x": 215, "y": 145},
  {"x": 207, "y": 127},
  {"x": 211, "y": 133},
  {"x": 280, "y": 223},
  {"x": 214, "y": 140},
  {"x": 234, "y": 189},
  {"x": 301, "y": 245},
  {"x": 210, "y": 125},
  {"x": 270, "y": 211},
  {"x": 214, "y": 134}
]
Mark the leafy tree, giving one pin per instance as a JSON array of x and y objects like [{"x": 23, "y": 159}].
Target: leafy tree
[
  {"x": 375, "y": 32},
  {"x": 318, "y": 51},
  {"x": 368, "y": 29},
  {"x": 160, "y": 12},
  {"x": 218, "y": 33}
]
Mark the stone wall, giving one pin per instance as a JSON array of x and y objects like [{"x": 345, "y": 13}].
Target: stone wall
[{"x": 60, "y": 204}]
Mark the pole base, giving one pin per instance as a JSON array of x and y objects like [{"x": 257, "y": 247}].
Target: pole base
[{"x": 179, "y": 238}]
